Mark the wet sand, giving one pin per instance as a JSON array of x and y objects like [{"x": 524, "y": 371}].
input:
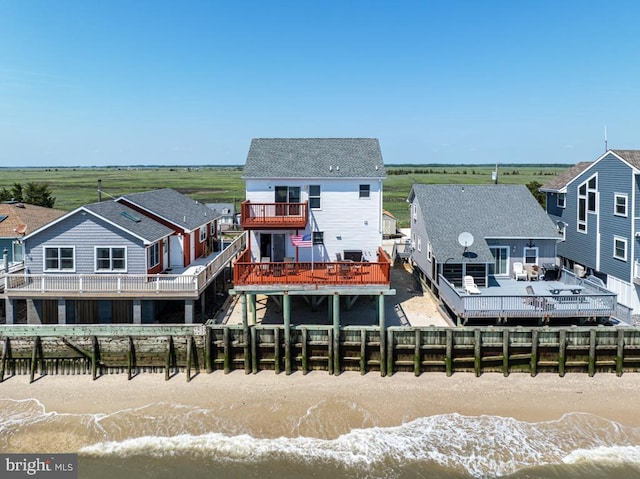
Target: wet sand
[{"x": 266, "y": 403}]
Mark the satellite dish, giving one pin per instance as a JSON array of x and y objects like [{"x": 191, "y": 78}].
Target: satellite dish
[
  {"x": 465, "y": 239},
  {"x": 21, "y": 229}
]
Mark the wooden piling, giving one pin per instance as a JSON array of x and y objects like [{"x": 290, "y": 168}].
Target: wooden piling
[
  {"x": 5, "y": 355},
  {"x": 286, "y": 310},
  {"x": 449, "y": 352},
  {"x": 534, "y": 352},
  {"x": 620, "y": 353},
  {"x": 330, "y": 351},
  {"x": 169, "y": 355},
  {"x": 226, "y": 339},
  {"x": 254, "y": 350},
  {"x": 34, "y": 357},
  {"x": 189, "y": 356},
  {"x": 276, "y": 349},
  {"x": 95, "y": 357},
  {"x": 562, "y": 352},
  {"x": 477, "y": 352},
  {"x": 417, "y": 356},
  {"x": 505, "y": 352},
  {"x": 390, "y": 352},
  {"x": 592, "y": 352},
  {"x": 208, "y": 359},
  {"x": 130, "y": 358},
  {"x": 304, "y": 355},
  {"x": 363, "y": 351}
]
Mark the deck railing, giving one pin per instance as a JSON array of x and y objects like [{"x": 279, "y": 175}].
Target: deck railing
[
  {"x": 247, "y": 272},
  {"x": 274, "y": 215},
  {"x": 588, "y": 304},
  {"x": 131, "y": 285}
]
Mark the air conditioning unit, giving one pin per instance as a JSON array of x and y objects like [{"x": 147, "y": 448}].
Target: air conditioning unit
[{"x": 578, "y": 269}]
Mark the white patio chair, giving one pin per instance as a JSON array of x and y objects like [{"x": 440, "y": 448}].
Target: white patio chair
[
  {"x": 519, "y": 271},
  {"x": 470, "y": 285}
]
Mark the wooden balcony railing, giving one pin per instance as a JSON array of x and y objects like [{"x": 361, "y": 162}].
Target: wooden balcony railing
[
  {"x": 348, "y": 273},
  {"x": 274, "y": 215}
]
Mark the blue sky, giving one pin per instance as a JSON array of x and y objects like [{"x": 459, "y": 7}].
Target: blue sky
[{"x": 116, "y": 82}]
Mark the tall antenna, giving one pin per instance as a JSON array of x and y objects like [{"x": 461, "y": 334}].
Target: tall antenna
[{"x": 606, "y": 147}]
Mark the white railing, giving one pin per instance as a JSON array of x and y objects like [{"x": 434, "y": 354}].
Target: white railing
[{"x": 102, "y": 284}]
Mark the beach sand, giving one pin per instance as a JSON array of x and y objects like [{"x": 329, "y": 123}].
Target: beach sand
[{"x": 270, "y": 405}]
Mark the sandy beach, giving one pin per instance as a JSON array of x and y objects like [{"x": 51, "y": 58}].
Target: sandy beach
[{"x": 266, "y": 404}]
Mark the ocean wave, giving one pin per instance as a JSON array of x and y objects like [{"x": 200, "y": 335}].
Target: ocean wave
[
  {"x": 484, "y": 446},
  {"x": 607, "y": 455}
]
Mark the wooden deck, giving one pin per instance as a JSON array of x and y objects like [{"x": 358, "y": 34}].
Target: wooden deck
[
  {"x": 343, "y": 273},
  {"x": 274, "y": 215}
]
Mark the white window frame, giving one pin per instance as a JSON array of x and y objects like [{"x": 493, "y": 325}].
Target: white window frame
[
  {"x": 366, "y": 190},
  {"x": 625, "y": 197},
  {"x": 420, "y": 244},
  {"x": 562, "y": 229},
  {"x": 524, "y": 254},
  {"x": 212, "y": 228},
  {"x": 17, "y": 251},
  {"x": 581, "y": 224},
  {"x": 617, "y": 239},
  {"x": 150, "y": 249},
  {"x": 111, "y": 269},
  {"x": 414, "y": 207},
  {"x": 315, "y": 197},
  {"x": 562, "y": 200},
  {"x": 429, "y": 250},
  {"x": 203, "y": 234},
  {"x": 64, "y": 270}
]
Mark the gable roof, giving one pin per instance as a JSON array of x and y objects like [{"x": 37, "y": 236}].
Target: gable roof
[
  {"x": 221, "y": 209},
  {"x": 485, "y": 211},
  {"x": 630, "y": 156},
  {"x": 314, "y": 158},
  {"x": 19, "y": 214},
  {"x": 129, "y": 220},
  {"x": 561, "y": 181},
  {"x": 173, "y": 207}
]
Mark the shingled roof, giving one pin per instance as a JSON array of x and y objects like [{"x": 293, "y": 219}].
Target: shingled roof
[
  {"x": 314, "y": 158},
  {"x": 560, "y": 182},
  {"x": 485, "y": 211},
  {"x": 31, "y": 216},
  {"x": 174, "y": 207},
  {"x": 130, "y": 220},
  {"x": 630, "y": 156}
]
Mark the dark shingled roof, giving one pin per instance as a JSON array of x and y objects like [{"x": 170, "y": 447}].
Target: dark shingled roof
[
  {"x": 173, "y": 207},
  {"x": 314, "y": 158},
  {"x": 563, "y": 179},
  {"x": 485, "y": 211},
  {"x": 130, "y": 220}
]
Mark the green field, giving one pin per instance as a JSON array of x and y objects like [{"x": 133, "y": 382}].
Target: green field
[{"x": 73, "y": 187}]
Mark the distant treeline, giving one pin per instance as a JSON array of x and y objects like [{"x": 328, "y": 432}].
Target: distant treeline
[{"x": 433, "y": 171}]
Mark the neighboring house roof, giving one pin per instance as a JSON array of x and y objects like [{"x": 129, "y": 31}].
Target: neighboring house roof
[
  {"x": 387, "y": 213},
  {"x": 129, "y": 220},
  {"x": 561, "y": 181},
  {"x": 23, "y": 218},
  {"x": 314, "y": 158},
  {"x": 173, "y": 207},
  {"x": 485, "y": 211},
  {"x": 221, "y": 209}
]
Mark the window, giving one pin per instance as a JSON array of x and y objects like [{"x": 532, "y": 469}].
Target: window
[
  {"x": 314, "y": 197},
  {"x": 153, "y": 255},
  {"x": 591, "y": 194},
  {"x": 414, "y": 208},
  {"x": 111, "y": 259},
  {"x": 562, "y": 200},
  {"x": 420, "y": 243},
  {"x": 203, "y": 234},
  {"x": 18, "y": 252},
  {"x": 500, "y": 267},
  {"x": 531, "y": 255},
  {"x": 582, "y": 208},
  {"x": 318, "y": 237},
  {"x": 59, "y": 259},
  {"x": 562, "y": 230},
  {"x": 365, "y": 191},
  {"x": 620, "y": 248},
  {"x": 212, "y": 228},
  {"x": 429, "y": 250},
  {"x": 620, "y": 204}
]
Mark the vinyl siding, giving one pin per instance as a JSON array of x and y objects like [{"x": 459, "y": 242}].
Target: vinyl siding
[
  {"x": 347, "y": 221},
  {"x": 84, "y": 232},
  {"x": 419, "y": 229}
]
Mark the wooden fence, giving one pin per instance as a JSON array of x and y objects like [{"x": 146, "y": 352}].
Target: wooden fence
[{"x": 134, "y": 349}]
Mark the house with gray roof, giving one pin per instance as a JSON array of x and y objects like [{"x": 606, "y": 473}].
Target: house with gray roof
[
  {"x": 193, "y": 223},
  {"x": 595, "y": 207},
  {"x": 502, "y": 239}
]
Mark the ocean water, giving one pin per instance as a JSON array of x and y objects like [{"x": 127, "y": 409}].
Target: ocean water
[{"x": 174, "y": 441}]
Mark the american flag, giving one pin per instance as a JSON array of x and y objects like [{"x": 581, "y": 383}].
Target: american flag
[{"x": 301, "y": 241}]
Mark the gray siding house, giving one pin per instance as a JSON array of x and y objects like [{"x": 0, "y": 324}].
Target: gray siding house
[{"x": 595, "y": 206}]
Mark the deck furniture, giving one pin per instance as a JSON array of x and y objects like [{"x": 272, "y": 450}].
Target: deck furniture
[
  {"x": 519, "y": 272},
  {"x": 532, "y": 272},
  {"x": 470, "y": 285}
]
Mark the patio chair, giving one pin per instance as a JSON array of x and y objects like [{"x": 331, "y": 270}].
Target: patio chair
[
  {"x": 470, "y": 285},
  {"x": 532, "y": 272},
  {"x": 519, "y": 272}
]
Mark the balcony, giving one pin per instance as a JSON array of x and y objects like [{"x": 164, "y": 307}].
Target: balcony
[
  {"x": 189, "y": 283},
  {"x": 274, "y": 215},
  {"x": 251, "y": 275}
]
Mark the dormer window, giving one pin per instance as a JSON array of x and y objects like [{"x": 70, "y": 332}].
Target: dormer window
[{"x": 562, "y": 200}]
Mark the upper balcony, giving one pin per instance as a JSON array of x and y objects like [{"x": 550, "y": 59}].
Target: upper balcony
[{"x": 274, "y": 215}]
